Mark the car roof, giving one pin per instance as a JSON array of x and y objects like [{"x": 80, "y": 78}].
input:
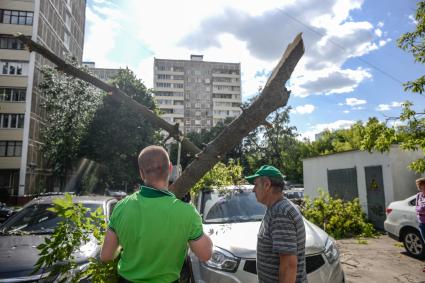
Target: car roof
[
  {"x": 231, "y": 187},
  {"x": 79, "y": 199}
]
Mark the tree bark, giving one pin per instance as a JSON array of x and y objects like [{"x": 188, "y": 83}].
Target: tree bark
[
  {"x": 273, "y": 96},
  {"x": 116, "y": 94}
]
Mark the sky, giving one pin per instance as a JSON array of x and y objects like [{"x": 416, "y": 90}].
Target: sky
[{"x": 352, "y": 68}]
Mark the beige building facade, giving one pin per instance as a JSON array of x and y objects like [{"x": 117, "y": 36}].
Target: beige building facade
[
  {"x": 58, "y": 25},
  {"x": 195, "y": 93}
]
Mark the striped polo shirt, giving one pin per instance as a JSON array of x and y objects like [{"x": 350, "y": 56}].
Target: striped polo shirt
[{"x": 282, "y": 232}]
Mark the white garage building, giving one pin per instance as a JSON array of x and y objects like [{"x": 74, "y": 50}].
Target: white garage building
[{"x": 375, "y": 178}]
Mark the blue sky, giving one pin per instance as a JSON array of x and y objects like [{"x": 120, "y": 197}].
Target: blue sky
[{"x": 351, "y": 70}]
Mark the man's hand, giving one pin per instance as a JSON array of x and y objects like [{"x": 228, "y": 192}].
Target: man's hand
[
  {"x": 288, "y": 268},
  {"x": 110, "y": 246}
]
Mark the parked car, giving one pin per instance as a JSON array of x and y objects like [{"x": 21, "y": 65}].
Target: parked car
[
  {"x": 232, "y": 217},
  {"x": 5, "y": 212},
  {"x": 25, "y": 230},
  {"x": 402, "y": 225}
]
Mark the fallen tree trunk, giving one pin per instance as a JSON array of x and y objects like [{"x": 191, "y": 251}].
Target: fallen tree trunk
[
  {"x": 273, "y": 96},
  {"x": 116, "y": 94}
]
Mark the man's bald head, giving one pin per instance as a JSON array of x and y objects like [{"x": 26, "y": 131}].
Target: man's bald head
[{"x": 154, "y": 163}]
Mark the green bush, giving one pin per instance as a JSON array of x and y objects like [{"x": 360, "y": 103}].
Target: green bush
[{"x": 340, "y": 219}]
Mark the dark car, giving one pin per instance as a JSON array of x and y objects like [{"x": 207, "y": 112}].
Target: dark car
[
  {"x": 24, "y": 231},
  {"x": 5, "y": 212}
]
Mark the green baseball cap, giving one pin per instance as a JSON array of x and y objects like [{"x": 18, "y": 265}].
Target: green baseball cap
[{"x": 266, "y": 171}]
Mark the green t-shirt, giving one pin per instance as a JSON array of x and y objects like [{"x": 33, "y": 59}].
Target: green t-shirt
[{"x": 153, "y": 229}]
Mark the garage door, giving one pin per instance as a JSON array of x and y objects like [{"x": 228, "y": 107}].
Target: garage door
[{"x": 342, "y": 183}]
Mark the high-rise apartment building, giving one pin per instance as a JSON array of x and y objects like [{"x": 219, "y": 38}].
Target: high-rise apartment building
[
  {"x": 58, "y": 25},
  {"x": 197, "y": 94},
  {"x": 104, "y": 74}
]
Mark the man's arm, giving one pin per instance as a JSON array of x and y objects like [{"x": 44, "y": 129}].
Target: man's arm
[
  {"x": 110, "y": 246},
  {"x": 287, "y": 268},
  {"x": 202, "y": 247}
]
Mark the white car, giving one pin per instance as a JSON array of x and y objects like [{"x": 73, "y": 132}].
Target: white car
[
  {"x": 232, "y": 218},
  {"x": 402, "y": 224}
]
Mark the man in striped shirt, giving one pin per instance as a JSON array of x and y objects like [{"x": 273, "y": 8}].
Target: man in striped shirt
[{"x": 281, "y": 238}]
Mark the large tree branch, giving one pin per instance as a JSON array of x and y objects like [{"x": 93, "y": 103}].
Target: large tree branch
[
  {"x": 116, "y": 94},
  {"x": 273, "y": 96}
]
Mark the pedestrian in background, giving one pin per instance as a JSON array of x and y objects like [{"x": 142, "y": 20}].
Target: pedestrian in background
[
  {"x": 420, "y": 207},
  {"x": 281, "y": 238},
  {"x": 153, "y": 227}
]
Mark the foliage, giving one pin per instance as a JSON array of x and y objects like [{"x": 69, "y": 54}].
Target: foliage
[
  {"x": 220, "y": 175},
  {"x": 70, "y": 105},
  {"x": 78, "y": 227},
  {"x": 411, "y": 134},
  {"x": 118, "y": 133},
  {"x": 203, "y": 138},
  {"x": 413, "y": 42},
  {"x": 341, "y": 219},
  {"x": 276, "y": 144},
  {"x": 338, "y": 141}
]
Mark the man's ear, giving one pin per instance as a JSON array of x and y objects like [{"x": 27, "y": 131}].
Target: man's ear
[
  {"x": 142, "y": 175},
  {"x": 267, "y": 183},
  {"x": 170, "y": 168}
]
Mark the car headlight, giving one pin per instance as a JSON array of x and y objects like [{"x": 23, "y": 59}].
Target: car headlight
[
  {"x": 331, "y": 251},
  {"x": 223, "y": 260}
]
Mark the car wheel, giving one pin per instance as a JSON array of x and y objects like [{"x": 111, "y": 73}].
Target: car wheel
[{"x": 413, "y": 243}]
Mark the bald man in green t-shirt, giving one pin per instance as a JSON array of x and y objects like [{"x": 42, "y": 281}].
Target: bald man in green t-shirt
[{"x": 153, "y": 227}]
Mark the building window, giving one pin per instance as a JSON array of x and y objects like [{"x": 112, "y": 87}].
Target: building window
[
  {"x": 16, "y": 17},
  {"x": 178, "y": 69},
  {"x": 13, "y": 68},
  {"x": 11, "y": 121},
  {"x": 163, "y": 77},
  {"x": 66, "y": 39},
  {"x": 164, "y": 68},
  {"x": 12, "y": 94},
  {"x": 10, "y": 148},
  {"x": 197, "y": 122},
  {"x": 178, "y": 85},
  {"x": 197, "y": 105},
  {"x": 169, "y": 93},
  {"x": 9, "y": 42},
  {"x": 163, "y": 85}
]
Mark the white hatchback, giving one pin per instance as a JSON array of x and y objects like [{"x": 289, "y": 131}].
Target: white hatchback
[
  {"x": 232, "y": 218},
  {"x": 402, "y": 225}
]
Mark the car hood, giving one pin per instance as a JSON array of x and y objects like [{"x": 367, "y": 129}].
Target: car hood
[
  {"x": 18, "y": 254},
  {"x": 241, "y": 238}
]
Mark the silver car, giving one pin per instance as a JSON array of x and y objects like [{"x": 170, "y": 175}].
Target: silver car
[{"x": 232, "y": 217}]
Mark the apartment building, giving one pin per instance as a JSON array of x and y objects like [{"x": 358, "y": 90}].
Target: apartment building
[
  {"x": 195, "y": 93},
  {"x": 58, "y": 25},
  {"x": 105, "y": 74}
]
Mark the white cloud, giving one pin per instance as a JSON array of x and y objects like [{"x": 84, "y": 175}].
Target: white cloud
[
  {"x": 101, "y": 20},
  {"x": 304, "y": 109},
  {"x": 413, "y": 20},
  {"x": 328, "y": 81},
  {"x": 380, "y": 24},
  {"x": 346, "y": 111},
  {"x": 387, "y": 107},
  {"x": 352, "y": 101},
  {"x": 318, "y": 128},
  {"x": 378, "y": 32},
  {"x": 250, "y": 32}
]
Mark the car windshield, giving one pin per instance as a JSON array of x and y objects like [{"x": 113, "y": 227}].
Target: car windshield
[
  {"x": 231, "y": 206},
  {"x": 37, "y": 219},
  {"x": 292, "y": 195}
]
